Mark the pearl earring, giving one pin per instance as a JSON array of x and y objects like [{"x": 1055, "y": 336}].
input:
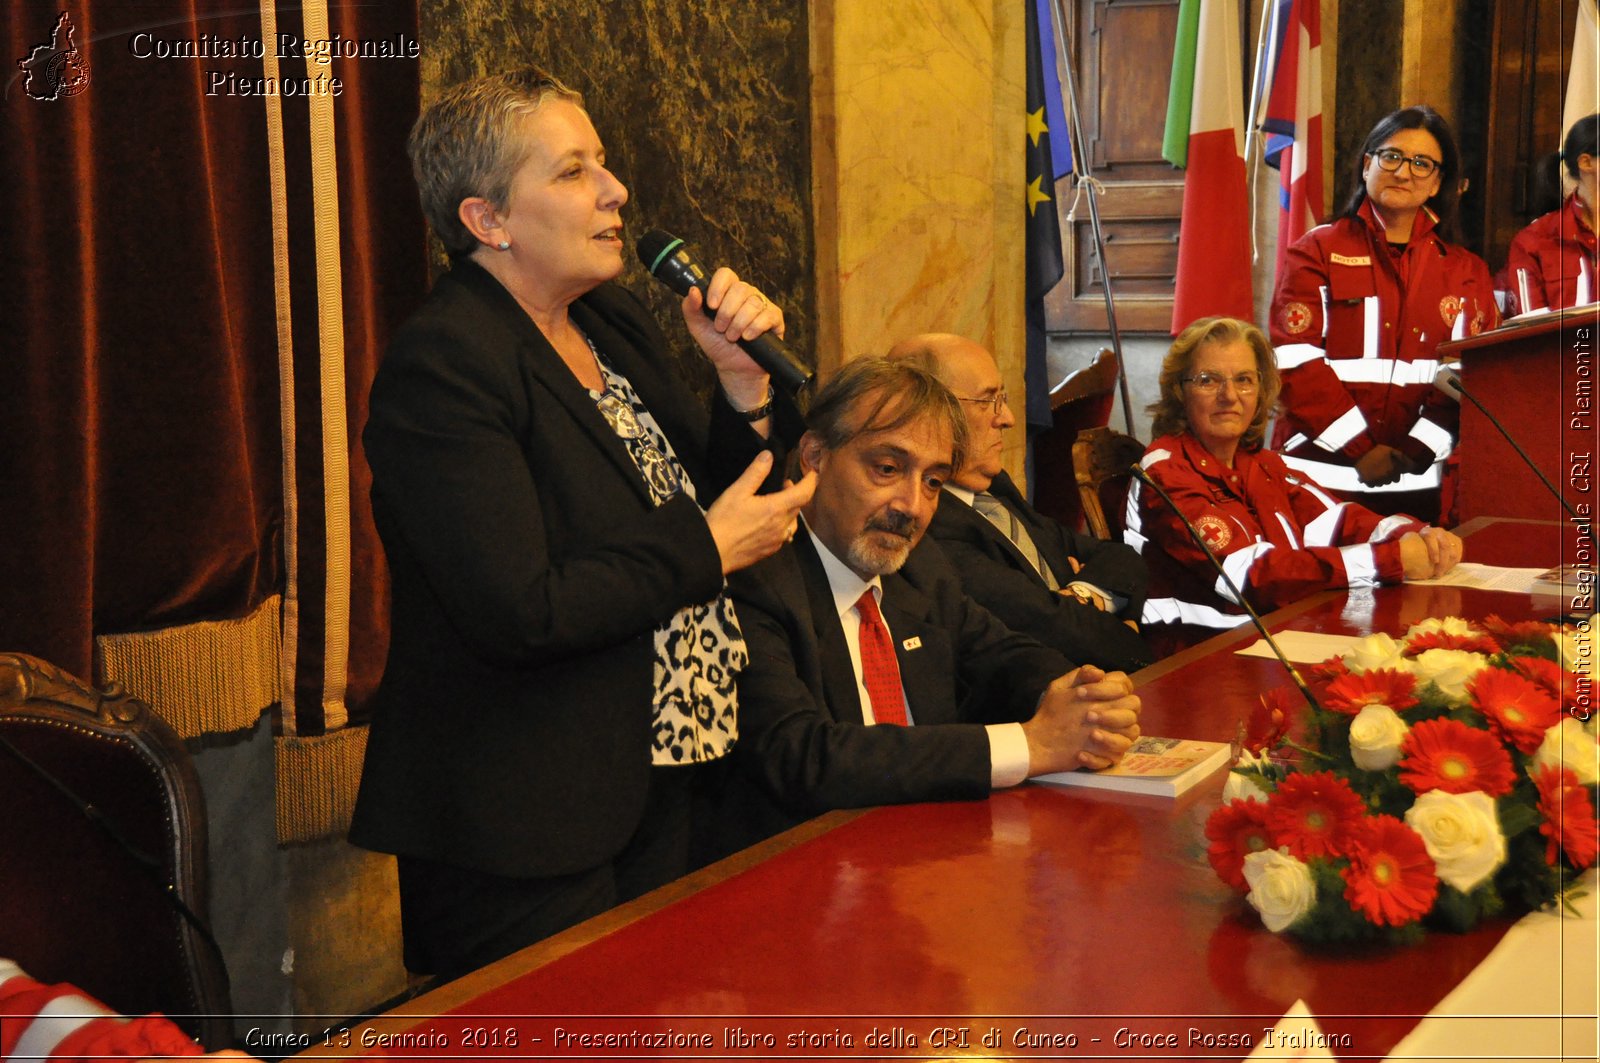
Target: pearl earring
[{"x": 504, "y": 245}]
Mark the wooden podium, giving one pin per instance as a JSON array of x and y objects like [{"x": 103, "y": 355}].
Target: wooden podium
[{"x": 1538, "y": 377}]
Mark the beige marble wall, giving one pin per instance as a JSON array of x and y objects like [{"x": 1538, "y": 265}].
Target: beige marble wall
[{"x": 917, "y": 178}]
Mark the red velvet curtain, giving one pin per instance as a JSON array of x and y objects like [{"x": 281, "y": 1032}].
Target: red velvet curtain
[{"x": 141, "y": 480}]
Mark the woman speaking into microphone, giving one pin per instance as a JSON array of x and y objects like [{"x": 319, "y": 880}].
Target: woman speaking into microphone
[{"x": 559, "y": 514}]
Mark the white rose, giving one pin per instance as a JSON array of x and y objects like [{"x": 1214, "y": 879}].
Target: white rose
[
  {"x": 1449, "y": 670},
  {"x": 1374, "y": 651},
  {"x": 1281, "y": 888},
  {"x": 1568, "y": 745},
  {"x": 1462, "y": 834},
  {"x": 1448, "y": 625},
  {"x": 1245, "y": 787},
  {"x": 1375, "y": 737}
]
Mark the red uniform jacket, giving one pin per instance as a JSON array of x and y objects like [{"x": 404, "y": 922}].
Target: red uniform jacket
[
  {"x": 1552, "y": 263},
  {"x": 1355, "y": 327},
  {"x": 1279, "y": 536},
  {"x": 77, "y": 1027}
]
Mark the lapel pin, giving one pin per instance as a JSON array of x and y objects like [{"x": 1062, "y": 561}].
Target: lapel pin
[{"x": 912, "y": 643}]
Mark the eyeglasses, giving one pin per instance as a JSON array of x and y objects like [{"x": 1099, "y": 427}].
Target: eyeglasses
[
  {"x": 997, "y": 400},
  {"x": 1389, "y": 160},
  {"x": 1208, "y": 383}
]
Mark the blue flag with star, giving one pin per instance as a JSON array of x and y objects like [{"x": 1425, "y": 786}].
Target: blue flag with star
[{"x": 1043, "y": 231}]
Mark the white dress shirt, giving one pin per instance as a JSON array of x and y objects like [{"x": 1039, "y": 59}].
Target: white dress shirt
[{"x": 1008, "y": 746}]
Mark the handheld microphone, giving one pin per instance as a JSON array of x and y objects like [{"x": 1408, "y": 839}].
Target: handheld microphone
[
  {"x": 669, "y": 261},
  {"x": 1238, "y": 595},
  {"x": 1449, "y": 381}
]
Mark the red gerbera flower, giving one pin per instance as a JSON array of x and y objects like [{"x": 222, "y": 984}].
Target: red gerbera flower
[
  {"x": 1551, "y": 677},
  {"x": 1440, "y": 640},
  {"x": 1569, "y": 821},
  {"x": 1236, "y": 830},
  {"x": 1314, "y": 814},
  {"x": 1391, "y": 879},
  {"x": 1450, "y": 756},
  {"x": 1519, "y": 711},
  {"x": 1332, "y": 668},
  {"x": 1522, "y": 633},
  {"x": 1270, "y": 719},
  {"x": 1382, "y": 686}
]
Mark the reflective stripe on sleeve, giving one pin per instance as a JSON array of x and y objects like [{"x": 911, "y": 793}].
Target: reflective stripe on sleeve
[
  {"x": 1237, "y": 566},
  {"x": 1177, "y": 611},
  {"x": 1433, "y": 437},
  {"x": 1350, "y": 424},
  {"x": 1294, "y": 355},
  {"x": 56, "y": 1021},
  {"x": 1387, "y": 527},
  {"x": 1384, "y": 370},
  {"x": 1360, "y": 566},
  {"x": 1344, "y": 478},
  {"x": 1321, "y": 531}
]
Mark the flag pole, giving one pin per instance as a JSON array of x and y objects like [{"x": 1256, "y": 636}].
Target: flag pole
[
  {"x": 1255, "y": 139},
  {"x": 1081, "y": 177}
]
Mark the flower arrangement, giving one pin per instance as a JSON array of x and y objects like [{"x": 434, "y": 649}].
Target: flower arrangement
[{"x": 1439, "y": 781}]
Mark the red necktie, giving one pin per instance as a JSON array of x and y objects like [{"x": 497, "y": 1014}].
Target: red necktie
[{"x": 880, "y": 672}]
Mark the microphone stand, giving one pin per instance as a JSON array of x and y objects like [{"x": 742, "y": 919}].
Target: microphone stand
[{"x": 1305, "y": 691}]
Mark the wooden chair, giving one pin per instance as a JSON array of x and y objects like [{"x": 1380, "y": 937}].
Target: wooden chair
[
  {"x": 1082, "y": 400},
  {"x": 1101, "y": 459},
  {"x": 102, "y": 828}
]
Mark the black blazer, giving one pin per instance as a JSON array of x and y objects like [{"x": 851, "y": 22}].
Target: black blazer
[
  {"x": 511, "y": 730},
  {"x": 994, "y": 572},
  {"x": 803, "y": 748}
]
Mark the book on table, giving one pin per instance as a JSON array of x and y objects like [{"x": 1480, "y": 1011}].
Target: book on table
[{"x": 1165, "y": 767}]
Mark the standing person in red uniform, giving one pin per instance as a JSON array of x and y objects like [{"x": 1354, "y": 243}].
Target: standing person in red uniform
[
  {"x": 1553, "y": 263},
  {"x": 1278, "y": 535},
  {"x": 1362, "y": 305}
]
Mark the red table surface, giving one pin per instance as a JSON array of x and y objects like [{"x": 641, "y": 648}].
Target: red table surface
[{"x": 1060, "y": 912}]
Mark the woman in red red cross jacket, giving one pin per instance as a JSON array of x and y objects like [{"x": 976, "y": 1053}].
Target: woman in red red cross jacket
[
  {"x": 1552, "y": 263},
  {"x": 1277, "y": 534},
  {"x": 1362, "y": 305}
]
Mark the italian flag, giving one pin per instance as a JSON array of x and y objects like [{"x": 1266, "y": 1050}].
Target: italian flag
[{"x": 1205, "y": 136}]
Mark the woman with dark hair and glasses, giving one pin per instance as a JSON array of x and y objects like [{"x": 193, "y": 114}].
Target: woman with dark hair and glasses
[
  {"x": 1278, "y": 535},
  {"x": 1552, "y": 263},
  {"x": 1362, "y": 305},
  {"x": 559, "y": 514}
]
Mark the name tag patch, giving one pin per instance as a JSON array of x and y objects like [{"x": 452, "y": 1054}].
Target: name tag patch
[{"x": 1350, "y": 260}]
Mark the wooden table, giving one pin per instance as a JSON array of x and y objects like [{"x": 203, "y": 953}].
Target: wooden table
[{"x": 1048, "y": 918}]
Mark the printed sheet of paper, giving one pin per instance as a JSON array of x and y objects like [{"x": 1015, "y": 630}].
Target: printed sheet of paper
[
  {"x": 1302, "y": 647},
  {"x": 1486, "y": 578}
]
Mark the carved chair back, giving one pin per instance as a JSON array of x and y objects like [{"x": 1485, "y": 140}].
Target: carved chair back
[{"x": 103, "y": 827}]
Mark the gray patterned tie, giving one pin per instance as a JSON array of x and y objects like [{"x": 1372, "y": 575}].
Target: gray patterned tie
[{"x": 1002, "y": 518}]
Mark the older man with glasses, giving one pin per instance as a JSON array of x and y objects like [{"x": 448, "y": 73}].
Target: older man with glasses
[{"x": 1072, "y": 592}]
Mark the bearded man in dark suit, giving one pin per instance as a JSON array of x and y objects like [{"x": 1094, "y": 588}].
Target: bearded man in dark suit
[{"x": 873, "y": 678}]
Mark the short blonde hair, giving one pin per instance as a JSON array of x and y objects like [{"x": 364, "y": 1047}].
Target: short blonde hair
[
  {"x": 1169, "y": 415},
  {"x": 465, "y": 144}
]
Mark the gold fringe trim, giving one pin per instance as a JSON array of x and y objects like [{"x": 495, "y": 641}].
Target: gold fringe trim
[
  {"x": 212, "y": 677},
  {"x": 317, "y": 781}
]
